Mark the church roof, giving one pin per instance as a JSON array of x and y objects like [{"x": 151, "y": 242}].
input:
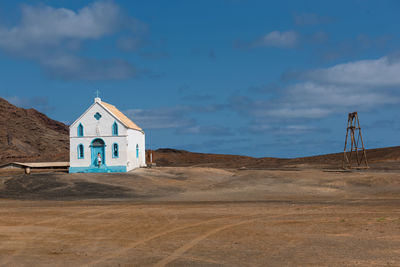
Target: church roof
[{"x": 121, "y": 116}]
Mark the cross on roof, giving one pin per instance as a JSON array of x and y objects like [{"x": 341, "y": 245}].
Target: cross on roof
[{"x": 97, "y": 93}]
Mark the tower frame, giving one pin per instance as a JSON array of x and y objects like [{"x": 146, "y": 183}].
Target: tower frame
[{"x": 354, "y": 132}]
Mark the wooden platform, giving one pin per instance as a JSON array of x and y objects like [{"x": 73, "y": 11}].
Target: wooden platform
[{"x": 35, "y": 165}]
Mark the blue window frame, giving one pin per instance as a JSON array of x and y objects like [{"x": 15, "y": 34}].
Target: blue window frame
[
  {"x": 115, "y": 129},
  {"x": 115, "y": 150},
  {"x": 80, "y": 130},
  {"x": 97, "y": 116},
  {"x": 137, "y": 151},
  {"x": 81, "y": 151}
]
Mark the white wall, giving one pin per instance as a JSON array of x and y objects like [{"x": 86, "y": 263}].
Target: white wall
[
  {"x": 104, "y": 126},
  {"x": 90, "y": 123},
  {"x": 136, "y": 137},
  {"x": 109, "y": 160},
  {"x": 126, "y": 140},
  {"x": 73, "y": 152}
]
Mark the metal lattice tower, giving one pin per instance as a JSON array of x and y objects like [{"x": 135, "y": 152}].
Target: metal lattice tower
[{"x": 354, "y": 151}]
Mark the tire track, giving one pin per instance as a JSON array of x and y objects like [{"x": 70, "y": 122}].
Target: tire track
[
  {"x": 154, "y": 236},
  {"x": 93, "y": 243},
  {"x": 180, "y": 251}
]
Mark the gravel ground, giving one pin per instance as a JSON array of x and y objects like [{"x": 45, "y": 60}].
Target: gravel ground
[{"x": 193, "y": 216}]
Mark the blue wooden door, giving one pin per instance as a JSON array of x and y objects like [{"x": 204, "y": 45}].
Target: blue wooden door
[{"x": 98, "y": 147}]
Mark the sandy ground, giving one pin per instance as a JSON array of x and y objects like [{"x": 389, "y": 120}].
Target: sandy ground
[{"x": 201, "y": 217}]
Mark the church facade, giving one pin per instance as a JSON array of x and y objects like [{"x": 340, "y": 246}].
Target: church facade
[{"x": 103, "y": 139}]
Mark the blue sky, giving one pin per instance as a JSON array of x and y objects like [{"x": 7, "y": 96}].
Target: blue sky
[{"x": 257, "y": 78}]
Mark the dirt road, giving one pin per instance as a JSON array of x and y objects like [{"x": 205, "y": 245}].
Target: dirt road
[{"x": 201, "y": 217}]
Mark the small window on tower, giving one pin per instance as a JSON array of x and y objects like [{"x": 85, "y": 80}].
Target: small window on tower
[
  {"x": 115, "y": 150},
  {"x": 137, "y": 151},
  {"x": 80, "y": 130},
  {"x": 115, "y": 129}
]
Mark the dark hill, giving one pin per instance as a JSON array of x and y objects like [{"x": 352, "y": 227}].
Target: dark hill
[
  {"x": 28, "y": 135},
  {"x": 379, "y": 158}
]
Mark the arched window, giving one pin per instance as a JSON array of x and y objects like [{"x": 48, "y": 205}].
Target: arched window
[
  {"x": 115, "y": 151},
  {"x": 81, "y": 152},
  {"x": 80, "y": 130},
  {"x": 137, "y": 151},
  {"x": 115, "y": 129}
]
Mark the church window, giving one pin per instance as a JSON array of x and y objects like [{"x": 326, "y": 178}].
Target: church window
[
  {"x": 80, "y": 151},
  {"x": 115, "y": 150},
  {"x": 137, "y": 151},
  {"x": 80, "y": 130},
  {"x": 97, "y": 116},
  {"x": 115, "y": 129}
]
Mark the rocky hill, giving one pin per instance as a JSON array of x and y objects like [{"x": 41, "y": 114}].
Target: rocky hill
[{"x": 28, "y": 135}]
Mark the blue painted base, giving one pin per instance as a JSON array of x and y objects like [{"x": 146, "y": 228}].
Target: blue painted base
[{"x": 102, "y": 169}]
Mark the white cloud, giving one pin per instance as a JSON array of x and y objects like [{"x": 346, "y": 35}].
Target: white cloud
[
  {"x": 207, "y": 130},
  {"x": 129, "y": 44},
  {"x": 162, "y": 118},
  {"x": 294, "y": 112},
  {"x": 53, "y": 36},
  {"x": 71, "y": 67},
  {"x": 282, "y": 130},
  {"x": 286, "y": 39},
  {"x": 47, "y": 26},
  {"x": 361, "y": 85},
  {"x": 177, "y": 117},
  {"x": 314, "y": 100},
  {"x": 376, "y": 72}
]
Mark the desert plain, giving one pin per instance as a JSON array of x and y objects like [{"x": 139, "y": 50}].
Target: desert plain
[{"x": 201, "y": 216}]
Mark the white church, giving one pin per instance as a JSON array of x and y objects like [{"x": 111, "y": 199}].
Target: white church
[{"x": 103, "y": 139}]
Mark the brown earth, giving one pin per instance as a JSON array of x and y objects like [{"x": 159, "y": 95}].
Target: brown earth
[
  {"x": 28, "y": 135},
  {"x": 380, "y": 158},
  {"x": 192, "y": 216}
]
